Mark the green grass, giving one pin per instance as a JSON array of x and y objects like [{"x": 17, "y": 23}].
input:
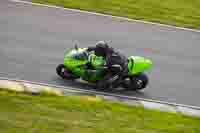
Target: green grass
[
  {"x": 185, "y": 13},
  {"x": 21, "y": 113}
]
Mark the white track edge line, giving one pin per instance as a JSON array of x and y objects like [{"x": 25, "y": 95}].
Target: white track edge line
[
  {"x": 101, "y": 93},
  {"x": 117, "y": 17}
]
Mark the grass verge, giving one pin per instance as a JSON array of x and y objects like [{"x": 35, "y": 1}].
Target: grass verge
[
  {"x": 22, "y": 113},
  {"x": 184, "y": 13}
]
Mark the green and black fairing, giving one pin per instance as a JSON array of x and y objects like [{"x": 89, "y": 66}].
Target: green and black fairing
[
  {"x": 79, "y": 63},
  {"x": 76, "y": 61}
]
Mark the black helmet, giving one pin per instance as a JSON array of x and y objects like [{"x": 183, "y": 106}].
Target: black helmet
[{"x": 101, "y": 48}]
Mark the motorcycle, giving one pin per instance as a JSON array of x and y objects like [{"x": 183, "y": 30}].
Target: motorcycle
[{"x": 77, "y": 61}]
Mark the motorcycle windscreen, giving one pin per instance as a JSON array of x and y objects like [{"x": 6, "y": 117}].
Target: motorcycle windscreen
[{"x": 75, "y": 58}]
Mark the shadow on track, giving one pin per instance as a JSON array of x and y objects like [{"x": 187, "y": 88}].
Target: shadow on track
[{"x": 86, "y": 86}]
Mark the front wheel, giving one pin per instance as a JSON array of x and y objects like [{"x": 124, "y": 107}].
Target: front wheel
[
  {"x": 138, "y": 82},
  {"x": 63, "y": 73}
]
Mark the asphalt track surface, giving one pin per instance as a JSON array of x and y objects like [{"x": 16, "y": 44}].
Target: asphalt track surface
[{"x": 33, "y": 40}]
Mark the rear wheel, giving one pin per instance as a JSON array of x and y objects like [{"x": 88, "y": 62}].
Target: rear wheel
[
  {"x": 64, "y": 73},
  {"x": 136, "y": 83}
]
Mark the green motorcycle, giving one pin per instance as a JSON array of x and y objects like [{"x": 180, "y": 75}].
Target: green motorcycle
[{"x": 78, "y": 61}]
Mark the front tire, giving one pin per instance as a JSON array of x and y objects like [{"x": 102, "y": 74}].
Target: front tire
[
  {"x": 136, "y": 83},
  {"x": 65, "y": 74}
]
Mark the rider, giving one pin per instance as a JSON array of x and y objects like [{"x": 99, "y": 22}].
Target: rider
[{"x": 115, "y": 61}]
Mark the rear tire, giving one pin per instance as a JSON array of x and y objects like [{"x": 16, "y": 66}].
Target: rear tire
[
  {"x": 136, "y": 83},
  {"x": 64, "y": 73}
]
